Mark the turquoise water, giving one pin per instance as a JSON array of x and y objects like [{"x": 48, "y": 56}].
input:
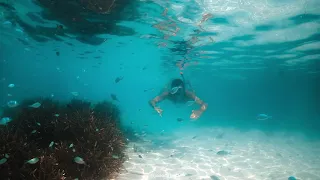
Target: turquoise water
[
  {"x": 263, "y": 63},
  {"x": 247, "y": 58}
]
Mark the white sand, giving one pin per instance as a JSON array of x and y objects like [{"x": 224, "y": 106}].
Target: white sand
[{"x": 253, "y": 156}]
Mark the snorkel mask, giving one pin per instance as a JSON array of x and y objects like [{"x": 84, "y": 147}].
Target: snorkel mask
[
  {"x": 174, "y": 90},
  {"x": 177, "y": 87}
]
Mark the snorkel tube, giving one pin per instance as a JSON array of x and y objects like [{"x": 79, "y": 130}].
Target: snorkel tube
[
  {"x": 182, "y": 76},
  {"x": 184, "y": 81}
]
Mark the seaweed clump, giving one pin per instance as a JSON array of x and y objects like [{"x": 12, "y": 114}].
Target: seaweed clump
[{"x": 61, "y": 141}]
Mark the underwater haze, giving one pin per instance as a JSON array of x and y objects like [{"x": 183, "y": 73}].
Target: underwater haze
[{"x": 255, "y": 64}]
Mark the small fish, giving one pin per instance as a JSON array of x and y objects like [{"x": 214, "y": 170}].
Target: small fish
[
  {"x": 11, "y": 86},
  {"x": 33, "y": 161},
  {"x": 5, "y": 120},
  {"x": 19, "y": 30},
  {"x": 70, "y": 44},
  {"x": 9, "y": 95},
  {"x": 115, "y": 156},
  {"x": 114, "y": 97},
  {"x": 140, "y": 156},
  {"x": 75, "y": 93},
  {"x": 179, "y": 119},
  {"x": 7, "y": 156},
  {"x": 213, "y": 177},
  {"x": 220, "y": 136},
  {"x": 79, "y": 160},
  {"x": 71, "y": 145},
  {"x": 292, "y": 178},
  {"x": 7, "y": 22},
  {"x": 12, "y": 104},
  {"x": 38, "y": 124},
  {"x": 59, "y": 27},
  {"x": 51, "y": 144},
  {"x": 3, "y": 160},
  {"x": 263, "y": 117},
  {"x": 58, "y": 53},
  {"x": 35, "y": 105},
  {"x": 118, "y": 79},
  {"x": 223, "y": 153},
  {"x": 34, "y": 131}
]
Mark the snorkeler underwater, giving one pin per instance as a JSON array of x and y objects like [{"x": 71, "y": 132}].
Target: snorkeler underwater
[
  {"x": 178, "y": 93},
  {"x": 159, "y": 90}
]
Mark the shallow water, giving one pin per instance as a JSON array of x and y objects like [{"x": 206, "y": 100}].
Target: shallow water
[{"x": 243, "y": 58}]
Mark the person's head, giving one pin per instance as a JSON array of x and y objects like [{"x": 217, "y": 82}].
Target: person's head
[{"x": 177, "y": 87}]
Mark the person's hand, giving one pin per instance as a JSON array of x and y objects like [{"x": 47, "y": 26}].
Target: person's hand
[
  {"x": 195, "y": 114},
  {"x": 159, "y": 110}
]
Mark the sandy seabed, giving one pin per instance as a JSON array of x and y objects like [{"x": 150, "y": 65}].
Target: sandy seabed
[{"x": 252, "y": 155}]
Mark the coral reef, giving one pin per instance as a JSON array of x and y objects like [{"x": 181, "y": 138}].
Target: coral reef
[{"x": 57, "y": 141}]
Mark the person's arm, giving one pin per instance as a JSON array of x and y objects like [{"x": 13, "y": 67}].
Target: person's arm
[
  {"x": 203, "y": 105},
  {"x": 158, "y": 98}
]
